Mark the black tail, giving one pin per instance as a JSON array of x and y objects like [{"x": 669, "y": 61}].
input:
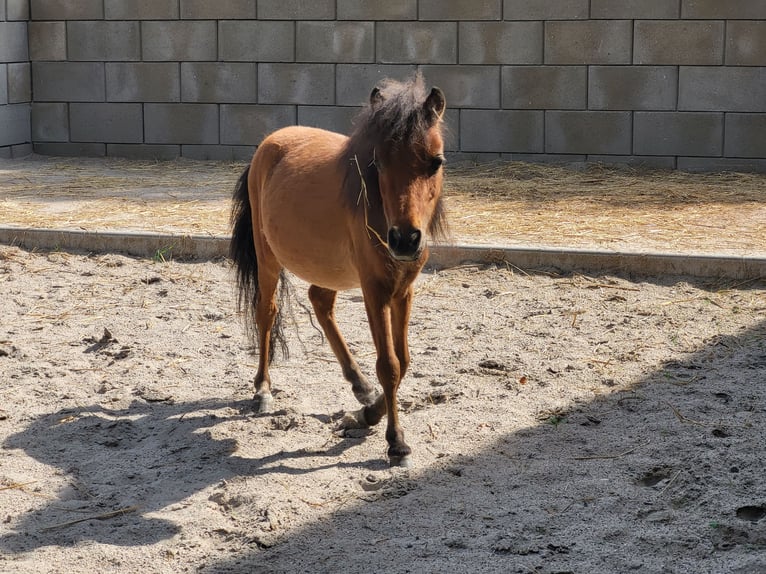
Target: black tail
[{"x": 242, "y": 253}]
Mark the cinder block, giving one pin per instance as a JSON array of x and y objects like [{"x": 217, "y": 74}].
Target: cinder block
[
  {"x": 218, "y": 82},
  {"x": 718, "y": 164},
  {"x": 296, "y": 10},
  {"x": 181, "y": 123},
  {"x": 70, "y": 149},
  {"x": 17, "y": 10},
  {"x": 745, "y": 135},
  {"x": 545, "y": 9},
  {"x": 143, "y": 82},
  {"x": 501, "y": 42},
  {"x": 678, "y": 42},
  {"x": 632, "y": 87},
  {"x": 219, "y": 10},
  {"x": 307, "y": 84},
  {"x": 545, "y": 87},
  {"x": 732, "y": 89},
  {"x": 335, "y": 42},
  {"x": 256, "y": 41},
  {"x": 467, "y": 86},
  {"x": 248, "y": 125},
  {"x": 634, "y": 9},
  {"x": 416, "y": 42},
  {"x": 678, "y": 133},
  {"x": 144, "y": 151},
  {"x": 746, "y": 43},
  {"x": 19, "y": 83},
  {"x": 14, "y": 119},
  {"x": 642, "y": 161},
  {"x": 376, "y": 10},
  {"x": 333, "y": 118},
  {"x": 354, "y": 82},
  {"x": 13, "y": 42},
  {"x": 68, "y": 81},
  {"x": 47, "y": 41},
  {"x": 67, "y": 9},
  {"x": 3, "y": 84},
  {"x": 729, "y": 10},
  {"x": 103, "y": 41},
  {"x": 2, "y": 16},
  {"x": 501, "y": 131},
  {"x": 141, "y": 9},
  {"x": 50, "y": 122},
  {"x": 586, "y": 132},
  {"x": 461, "y": 10},
  {"x": 187, "y": 40},
  {"x": 588, "y": 42},
  {"x": 209, "y": 152},
  {"x": 101, "y": 122},
  {"x": 21, "y": 150}
]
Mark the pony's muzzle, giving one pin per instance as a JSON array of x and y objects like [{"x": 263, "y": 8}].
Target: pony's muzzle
[{"x": 405, "y": 244}]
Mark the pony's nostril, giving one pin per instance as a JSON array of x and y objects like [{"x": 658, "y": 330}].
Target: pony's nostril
[
  {"x": 394, "y": 238},
  {"x": 415, "y": 238}
]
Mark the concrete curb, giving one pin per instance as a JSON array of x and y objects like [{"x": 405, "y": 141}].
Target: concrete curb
[{"x": 564, "y": 260}]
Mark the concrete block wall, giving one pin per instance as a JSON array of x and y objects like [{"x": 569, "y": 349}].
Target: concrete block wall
[
  {"x": 15, "y": 82},
  {"x": 670, "y": 83}
]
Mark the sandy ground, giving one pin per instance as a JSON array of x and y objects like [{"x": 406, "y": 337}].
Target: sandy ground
[{"x": 559, "y": 424}]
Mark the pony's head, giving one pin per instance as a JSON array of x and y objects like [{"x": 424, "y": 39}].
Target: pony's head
[{"x": 399, "y": 139}]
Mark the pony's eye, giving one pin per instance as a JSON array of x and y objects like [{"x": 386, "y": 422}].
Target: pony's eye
[{"x": 436, "y": 163}]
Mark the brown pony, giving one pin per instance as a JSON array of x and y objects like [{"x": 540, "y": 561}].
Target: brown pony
[{"x": 344, "y": 212}]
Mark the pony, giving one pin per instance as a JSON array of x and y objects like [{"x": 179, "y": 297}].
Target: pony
[{"x": 342, "y": 212}]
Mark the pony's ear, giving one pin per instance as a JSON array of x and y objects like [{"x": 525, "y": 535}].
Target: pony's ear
[
  {"x": 436, "y": 103},
  {"x": 376, "y": 96}
]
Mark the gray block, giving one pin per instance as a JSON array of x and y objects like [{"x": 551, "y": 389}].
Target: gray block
[
  {"x": 296, "y": 10},
  {"x": 377, "y": 10},
  {"x": 545, "y": 9},
  {"x": 460, "y": 10},
  {"x": 501, "y": 131},
  {"x": 333, "y": 118},
  {"x": 732, "y": 89},
  {"x": 68, "y": 81},
  {"x": 501, "y": 42},
  {"x": 19, "y": 83},
  {"x": 3, "y": 84},
  {"x": 354, "y": 82},
  {"x": 634, "y": 9},
  {"x": 209, "y": 152},
  {"x": 218, "y": 82},
  {"x": 307, "y": 84},
  {"x": 50, "y": 122},
  {"x": 143, "y": 82},
  {"x": 746, "y": 43},
  {"x": 256, "y": 41},
  {"x": 678, "y": 133},
  {"x": 640, "y": 161},
  {"x": 67, "y": 9},
  {"x": 2, "y": 19},
  {"x": 70, "y": 149},
  {"x": 678, "y": 42},
  {"x": 545, "y": 87},
  {"x": 632, "y": 87},
  {"x": 103, "y": 41},
  {"x": 102, "y": 122},
  {"x": 47, "y": 41},
  {"x": 416, "y": 42},
  {"x": 248, "y": 125},
  {"x": 586, "y": 132},
  {"x": 218, "y": 10},
  {"x": 181, "y": 124},
  {"x": 718, "y": 164},
  {"x": 467, "y": 86},
  {"x": 335, "y": 42},
  {"x": 141, "y": 9},
  {"x": 729, "y": 10},
  {"x": 21, "y": 150},
  {"x": 13, "y": 42},
  {"x": 187, "y": 40},
  {"x": 17, "y": 10},
  {"x": 745, "y": 135},
  {"x": 144, "y": 151},
  {"x": 588, "y": 42},
  {"x": 15, "y": 122}
]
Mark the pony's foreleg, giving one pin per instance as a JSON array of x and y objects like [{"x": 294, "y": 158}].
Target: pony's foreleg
[
  {"x": 266, "y": 312},
  {"x": 323, "y": 301}
]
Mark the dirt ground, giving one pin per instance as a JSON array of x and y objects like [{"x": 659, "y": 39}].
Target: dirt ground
[{"x": 558, "y": 423}]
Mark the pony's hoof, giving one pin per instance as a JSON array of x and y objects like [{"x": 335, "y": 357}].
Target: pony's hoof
[
  {"x": 353, "y": 420},
  {"x": 263, "y": 402},
  {"x": 403, "y": 461}
]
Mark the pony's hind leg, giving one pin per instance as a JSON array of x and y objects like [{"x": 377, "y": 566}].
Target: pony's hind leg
[
  {"x": 265, "y": 317},
  {"x": 323, "y": 301}
]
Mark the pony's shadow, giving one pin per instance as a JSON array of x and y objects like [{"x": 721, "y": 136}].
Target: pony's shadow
[{"x": 130, "y": 459}]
